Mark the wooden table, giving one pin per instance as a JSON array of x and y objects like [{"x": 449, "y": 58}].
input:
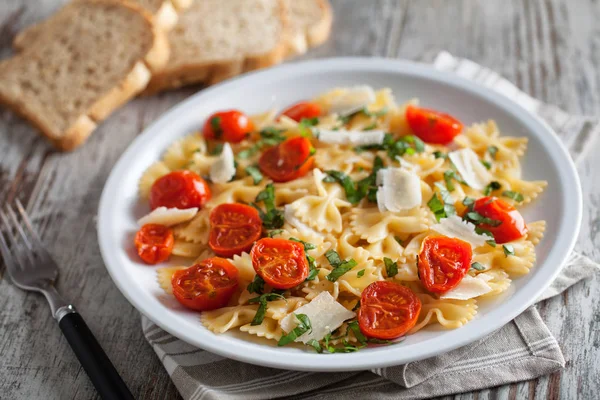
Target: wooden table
[{"x": 549, "y": 48}]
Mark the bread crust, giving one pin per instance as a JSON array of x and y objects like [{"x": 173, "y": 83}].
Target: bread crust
[
  {"x": 217, "y": 71},
  {"x": 315, "y": 35},
  {"x": 133, "y": 83}
]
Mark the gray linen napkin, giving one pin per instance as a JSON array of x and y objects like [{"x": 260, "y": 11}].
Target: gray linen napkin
[{"x": 523, "y": 349}]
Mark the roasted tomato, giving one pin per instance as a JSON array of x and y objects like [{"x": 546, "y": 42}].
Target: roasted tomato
[
  {"x": 387, "y": 310},
  {"x": 179, "y": 189},
  {"x": 207, "y": 285},
  {"x": 280, "y": 262},
  {"x": 304, "y": 109},
  {"x": 432, "y": 126},
  {"x": 154, "y": 243},
  {"x": 289, "y": 160},
  {"x": 512, "y": 225},
  {"x": 233, "y": 229},
  {"x": 443, "y": 262},
  {"x": 229, "y": 126}
]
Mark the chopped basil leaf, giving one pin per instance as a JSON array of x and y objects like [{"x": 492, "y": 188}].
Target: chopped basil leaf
[
  {"x": 313, "y": 271},
  {"x": 397, "y": 238},
  {"x": 305, "y": 124},
  {"x": 215, "y": 124},
  {"x": 262, "y": 308},
  {"x": 329, "y": 179},
  {"x": 353, "y": 326},
  {"x": 486, "y": 164},
  {"x": 493, "y": 150},
  {"x": 315, "y": 344},
  {"x": 340, "y": 267},
  {"x": 516, "y": 196},
  {"x": 491, "y": 187},
  {"x": 216, "y": 150},
  {"x": 249, "y": 152},
  {"x": 257, "y": 285},
  {"x": 468, "y": 202},
  {"x": 274, "y": 232},
  {"x": 444, "y": 208},
  {"x": 491, "y": 242},
  {"x": 396, "y": 147},
  {"x": 272, "y": 133},
  {"x": 436, "y": 207},
  {"x": 254, "y": 172},
  {"x": 356, "y": 306},
  {"x": 391, "y": 267},
  {"x": 360, "y": 273},
  {"x": 302, "y": 327},
  {"x": 477, "y": 266},
  {"x": 370, "y": 127},
  {"x": 440, "y": 154},
  {"x": 509, "y": 250},
  {"x": 272, "y": 218},
  {"x": 355, "y": 192},
  {"x": 379, "y": 341},
  {"x": 347, "y": 184},
  {"x": 476, "y": 219},
  {"x": 379, "y": 113},
  {"x": 307, "y": 246},
  {"x": 448, "y": 175}
]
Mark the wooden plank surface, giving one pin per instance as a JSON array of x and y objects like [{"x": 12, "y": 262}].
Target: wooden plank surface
[{"x": 549, "y": 48}]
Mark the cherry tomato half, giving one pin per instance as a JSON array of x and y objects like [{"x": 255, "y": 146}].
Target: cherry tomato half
[
  {"x": 280, "y": 262},
  {"x": 443, "y": 262},
  {"x": 512, "y": 225},
  {"x": 288, "y": 160},
  {"x": 154, "y": 243},
  {"x": 387, "y": 310},
  {"x": 304, "y": 109},
  {"x": 229, "y": 126},
  {"x": 179, "y": 189},
  {"x": 207, "y": 285},
  {"x": 233, "y": 229},
  {"x": 432, "y": 126}
]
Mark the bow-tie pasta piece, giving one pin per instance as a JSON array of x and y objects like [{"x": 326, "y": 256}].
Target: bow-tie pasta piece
[
  {"x": 373, "y": 225},
  {"x": 223, "y": 319},
  {"x": 450, "y": 314}
]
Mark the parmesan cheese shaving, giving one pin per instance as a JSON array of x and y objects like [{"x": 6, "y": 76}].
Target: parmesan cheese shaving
[
  {"x": 325, "y": 315},
  {"x": 470, "y": 168},
  {"x": 399, "y": 190},
  {"x": 168, "y": 216},
  {"x": 352, "y": 100},
  {"x": 455, "y": 227},
  {"x": 470, "y": 287},
  {"x": 223, "y": 169},
  {"x": 357, "y": 138}
]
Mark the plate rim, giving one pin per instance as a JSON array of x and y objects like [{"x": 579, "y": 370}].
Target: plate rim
[{"x": 356, "y": 361}]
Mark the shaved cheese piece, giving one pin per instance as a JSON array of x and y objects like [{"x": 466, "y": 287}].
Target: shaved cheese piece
[
  {"x": 470, "y": 168},
  {"x": 399, "y": 190},
  {"x": 469, "y": 287},
  {"x": 455, "y": 227},
  {"x": 352, "y": 100},
  {"x": 291, "y": 219},
  {"x": 168, "y": 216},
  {"x": 223, "y": 169},
  {"x": 358, "y": 138},
  {"x": 325, "y": 315}
]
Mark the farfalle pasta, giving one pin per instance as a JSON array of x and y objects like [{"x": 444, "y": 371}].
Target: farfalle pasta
[{"x": 311, "y": 217}]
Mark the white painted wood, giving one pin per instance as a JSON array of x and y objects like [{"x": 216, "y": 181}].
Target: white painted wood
[{"x": 547, "y": 47}]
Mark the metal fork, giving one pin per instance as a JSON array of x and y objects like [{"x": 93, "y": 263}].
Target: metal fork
[{"x": 30, "y": 267}]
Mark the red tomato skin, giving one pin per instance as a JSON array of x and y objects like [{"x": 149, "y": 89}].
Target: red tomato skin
[
  {"x": 513, "y": 225},
  {"x": 154, "y": 243},
  {"x": 231, "y": 126},
  {"x": 451, "y": 256},
  {"x": 288, "y": 160},
  {"x": 179, "y": 189},
  {"x": 406, "y": 303},
  {"x": 289, "y": 251},
  {"x": 213, "y": 298},
  {"x": 303, "y": 109},
  {"x": 432, "y": 126},
  {"x": 229, "y": 220}
]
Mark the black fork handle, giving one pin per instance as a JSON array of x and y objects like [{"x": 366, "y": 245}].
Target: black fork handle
[{"x": 92, "y": 357}]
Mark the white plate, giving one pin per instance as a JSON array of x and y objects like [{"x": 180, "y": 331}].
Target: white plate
[{"x": 560, "y": 205}]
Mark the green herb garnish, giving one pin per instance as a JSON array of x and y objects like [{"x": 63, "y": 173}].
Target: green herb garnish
[
  {"x": 356, "y": 306},
  {"x": 440, "y": 154},
  {"x": 356, "y": 191},
  {"x": 486, "y": 164},
  {"x": 305, "y": 124},
  {"x": 262, "y": 308},
  {"x": 516, "y": 196},
  {"x": 391, "y": 267},
  {"x": 254, "y": 172},
  {"x": 340, "y": 267},
  {"x": 307, "y": 246},
  {"x": 274, "y": 232},
  {"x": 509, "y": 250},
  {"x": 353, "y": 326},
  {"x": 302, "y": 327},
  {"x": 215, "y": 124},
  {"x": 272, "y": 218},
  {"x": 370, "y": 127},
  {"x": 360, "y": 273},
  {"x": 491, "y": 242},
  {"x": 491, "y": 187},
  {"x": 493, "y": 150},
  {"x": 216, "y": 150},
  {"x": 476, "y": 219},
  {"x": 315, "y": 344},
  {"x": 477, "y": 266},
  {"x": 257, "y": 285}
]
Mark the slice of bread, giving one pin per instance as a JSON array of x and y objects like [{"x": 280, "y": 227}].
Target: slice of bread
[
  {"x": 310, "y": 25},
  {"x": 216, "y": 39},
  {"x": 90, "y": 58},
  {"x": 164, "y": 13}
]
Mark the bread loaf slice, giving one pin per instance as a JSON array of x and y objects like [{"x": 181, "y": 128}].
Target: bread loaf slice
[
  {"x": 164, "y": 13},
  {"x": 310, "y": 25},
  {"x": 90, "y": 58},
  {"x": 216, "y": 39}
]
